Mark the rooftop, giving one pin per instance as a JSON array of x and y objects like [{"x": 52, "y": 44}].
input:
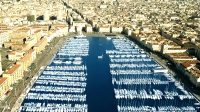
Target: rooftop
[
  {"x": 13, "y": 69},
  {"x": 2, "y": 80}
]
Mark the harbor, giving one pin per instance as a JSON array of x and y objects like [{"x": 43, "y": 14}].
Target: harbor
[
  {"x": 141, "y": 84},
  {"x": 61, "y": 86},
  {"x": 106, "y": 74}
]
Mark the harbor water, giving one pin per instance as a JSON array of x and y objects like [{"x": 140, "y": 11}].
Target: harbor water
[{"x": 106, "y": 74}]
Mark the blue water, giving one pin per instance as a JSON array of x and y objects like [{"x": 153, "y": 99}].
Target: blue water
[
  {"x": 100, "y": 93},
  {"x": 99, "y": 83}
]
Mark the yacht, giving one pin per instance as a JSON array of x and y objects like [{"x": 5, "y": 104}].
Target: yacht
[
  {"x": 109, "y": 38},
  {"x": 100, "y": 57},
  {"x": 77, "y": 62}
]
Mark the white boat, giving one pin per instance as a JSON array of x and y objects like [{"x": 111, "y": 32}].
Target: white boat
[
  {"x": 80, "y": 36},
  {"x": 100, "y": 57},
  {"x": 57, "y": 61},
  {"x": 68, "y": 62},
  {"x": 109, "y": 38},
  {"x": 77, "y": 62}
]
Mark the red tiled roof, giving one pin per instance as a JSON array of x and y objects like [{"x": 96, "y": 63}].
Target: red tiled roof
[
  {"x": 2, "y": 79},
  {"x": 26, "y": 57},
  {"x": 13, "y": 68}
]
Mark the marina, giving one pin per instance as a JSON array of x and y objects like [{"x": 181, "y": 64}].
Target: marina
[
  {"x": 95, "y": 74},
  {"x": 61, "y": 86},
  {"x": 141, "y": 84}
]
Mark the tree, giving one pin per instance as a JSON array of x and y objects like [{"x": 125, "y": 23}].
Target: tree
[
  {"x": 33, "y": 66},
  {"x": 31, "y": 18}
]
